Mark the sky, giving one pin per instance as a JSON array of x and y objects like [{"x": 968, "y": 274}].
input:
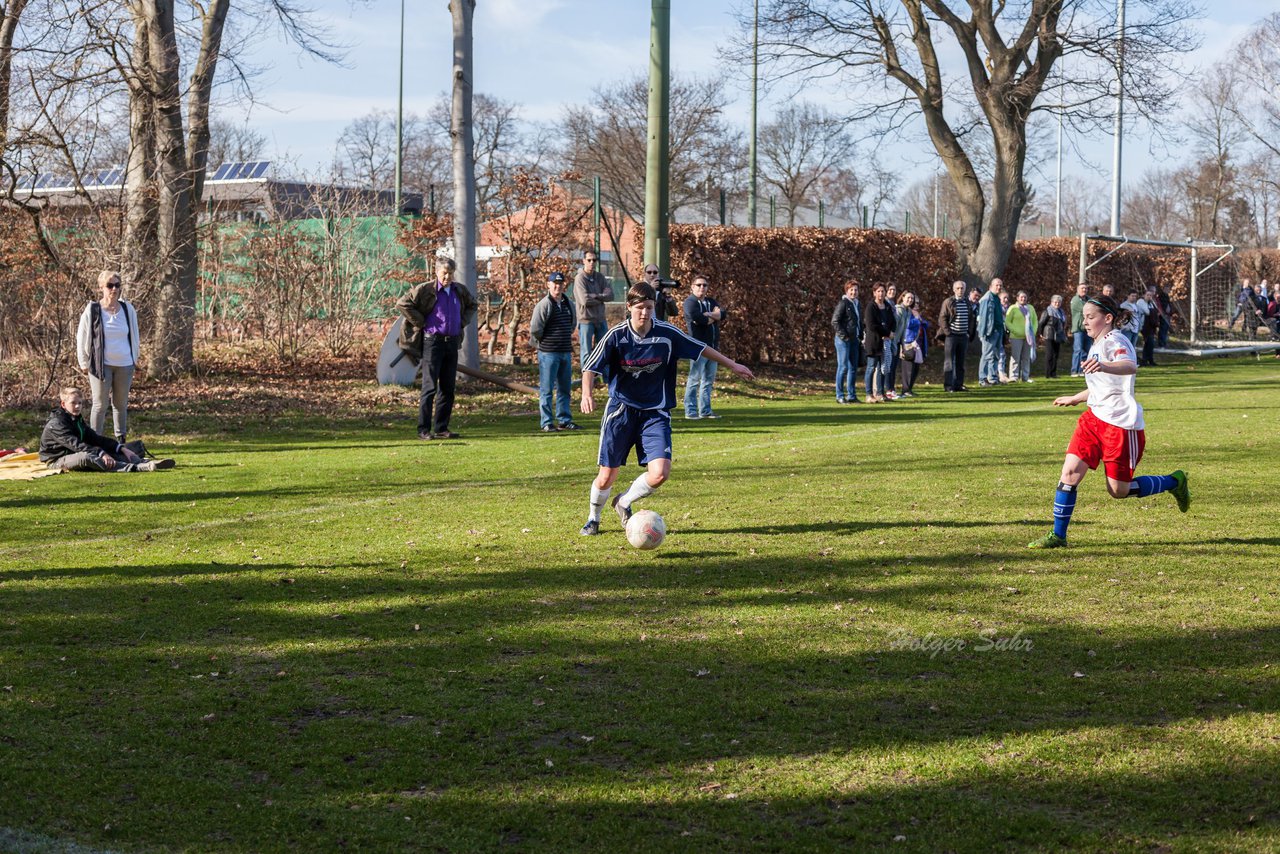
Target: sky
[{"x": 545, "y": 54}]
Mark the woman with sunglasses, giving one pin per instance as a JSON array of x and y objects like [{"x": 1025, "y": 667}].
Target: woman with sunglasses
[
  {"x": 1111, "y": 430},
  {"x": 107, "y": 349}
]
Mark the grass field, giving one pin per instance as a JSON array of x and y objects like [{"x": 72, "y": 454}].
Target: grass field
[{"x": 318, "y": 633}]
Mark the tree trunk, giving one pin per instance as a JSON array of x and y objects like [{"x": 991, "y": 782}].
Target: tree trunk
[
  {"x": 8, "y": 28},
  {"x": 464, "y": 166},
  {"x": 1008, "y": 197},
  {"x": 166, "y": 174}
]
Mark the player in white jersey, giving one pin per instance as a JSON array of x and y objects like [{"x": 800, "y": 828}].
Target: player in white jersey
[
  {"x": 1111, "y": 431},
  {"x": 639, "y": 356}
]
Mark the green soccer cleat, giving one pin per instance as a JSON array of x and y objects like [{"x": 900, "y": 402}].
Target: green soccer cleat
[
  {"x": 1182, "y": 492},
  {"x": 1048, "y": 541}
]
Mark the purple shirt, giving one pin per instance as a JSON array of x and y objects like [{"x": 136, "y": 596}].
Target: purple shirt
[{"x": 446, "y": 316}]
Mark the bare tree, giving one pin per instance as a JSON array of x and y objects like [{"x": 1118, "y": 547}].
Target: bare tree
[
  {"x": 230, "y": 143},
  {"x": 1156, "y": 206},
  {"x": 366, "y": 154},
  {"x": 798, "y": 149},
  {"x": 607, "y": 138},
  {"x": 891, "y": 53},
  {"x": 1218, "y": 132}
]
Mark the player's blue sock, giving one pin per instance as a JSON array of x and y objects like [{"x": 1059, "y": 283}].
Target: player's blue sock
[
  {"x": 1152, "y": 484},
  {"x": 1064, "y": 501}
]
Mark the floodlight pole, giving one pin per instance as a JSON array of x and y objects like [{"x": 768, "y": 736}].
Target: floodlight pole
[
  {"x": 1119, "y": 129},
  {"x": 1057, "y": 204},
  {"x": 755, "y": 77},
  {"x": 656, "y": 191},
  {"x": 400, "y": 119}
]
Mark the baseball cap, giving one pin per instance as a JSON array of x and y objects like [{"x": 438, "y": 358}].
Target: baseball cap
[{"x": 556, "y": 277}]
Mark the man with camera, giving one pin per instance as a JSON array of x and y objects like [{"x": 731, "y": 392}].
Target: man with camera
[
  {"x": 664, "y": 305},
  {"x": 702, "y": 314}
]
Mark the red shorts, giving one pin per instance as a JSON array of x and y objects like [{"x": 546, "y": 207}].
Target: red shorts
[{"x": 1097, "y": 441}]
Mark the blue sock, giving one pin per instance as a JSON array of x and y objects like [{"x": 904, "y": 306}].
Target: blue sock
[
  {"x": 1064, "y": 501},
  {"x": 1152, "y": 484}
]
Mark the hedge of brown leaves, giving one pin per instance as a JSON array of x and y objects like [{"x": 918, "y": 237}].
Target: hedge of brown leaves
[{"x": 779, "y": 286}]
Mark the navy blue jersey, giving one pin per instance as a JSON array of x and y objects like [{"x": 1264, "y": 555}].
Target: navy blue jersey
[{"x": 642, "y": 371}]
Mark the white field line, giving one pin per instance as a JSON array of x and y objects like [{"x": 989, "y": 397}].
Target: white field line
[{"x": 382, "y": 499}]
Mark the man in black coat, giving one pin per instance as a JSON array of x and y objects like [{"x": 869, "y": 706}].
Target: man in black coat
[
  {"x": 69, "y": 444},
  {"x": 702, "y": 314}
]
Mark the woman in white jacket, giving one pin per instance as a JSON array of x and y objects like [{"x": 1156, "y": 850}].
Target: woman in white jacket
[{"x": 107, "y": 349}]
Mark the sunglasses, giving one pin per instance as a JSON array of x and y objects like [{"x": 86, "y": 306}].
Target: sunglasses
[
  {"x": 651, "y": 272},
  {"x": 113, "y": 285}
]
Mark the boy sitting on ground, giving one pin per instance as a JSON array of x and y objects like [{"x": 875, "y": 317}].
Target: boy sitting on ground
[{"x": 69, "y": 444}]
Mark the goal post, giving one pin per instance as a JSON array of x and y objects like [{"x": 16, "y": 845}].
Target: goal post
[{"x": 1199, "y": 277}]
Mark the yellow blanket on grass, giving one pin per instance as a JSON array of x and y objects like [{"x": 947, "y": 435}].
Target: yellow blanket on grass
[{"x": 24, "y": 467}]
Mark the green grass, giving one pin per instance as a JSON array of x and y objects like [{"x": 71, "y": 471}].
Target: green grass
[{"x": 318, "y": 633}]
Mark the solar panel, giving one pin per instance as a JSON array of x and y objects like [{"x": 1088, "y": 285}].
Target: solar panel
[
  {"x": 116, "y": 176},
  {"x": 261, "y": 168},
  {"x": 222, "y": 172}
]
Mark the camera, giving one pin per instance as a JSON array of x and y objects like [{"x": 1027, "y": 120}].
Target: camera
[{"x": 661, "y": 284}]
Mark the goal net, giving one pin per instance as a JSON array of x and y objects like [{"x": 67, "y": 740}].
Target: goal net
[{"x": 1207, "y": 308}]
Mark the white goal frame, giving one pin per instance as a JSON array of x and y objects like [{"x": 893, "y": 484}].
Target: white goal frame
[{"x": 1227, "y": 250}]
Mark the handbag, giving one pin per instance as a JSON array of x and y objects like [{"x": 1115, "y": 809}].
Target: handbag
[
  {"x": 138, "y": 448},
  {"x": 908, "y": 351}
]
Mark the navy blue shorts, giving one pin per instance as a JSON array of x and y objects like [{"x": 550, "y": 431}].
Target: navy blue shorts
[{"x": 625, "y": 427}]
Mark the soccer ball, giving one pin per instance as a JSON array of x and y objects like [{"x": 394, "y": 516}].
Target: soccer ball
[{"x": 646, "y": 530}]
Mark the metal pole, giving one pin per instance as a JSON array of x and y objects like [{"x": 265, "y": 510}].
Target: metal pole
[
  {"x": 935, "y": 204},
  {"x": 400, "y": 118},
  {"x": 1057, "y": 205},
  {"x": 1084, "y": 258},
  {"x": 773, "y": 211},
  {"x": 656, "y": 250},
  {"x": 595, "y": 205},
  {"x": 866, "y": 211},
  {"x": 906, "y": 227},
  {"x": 755, "y": 77},
  {"x": 1119, "y": 130},
  {"x": 1195, "y": 275},
  {"x": 723, "y": 205},
  {"x": 822, "y": 219}
]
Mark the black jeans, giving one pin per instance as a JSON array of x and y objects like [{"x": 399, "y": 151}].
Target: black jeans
[
  {"x": 1051, "y": 358},
  {"x": 953, "y": 362},
  {"x": 439, "y": 376}
]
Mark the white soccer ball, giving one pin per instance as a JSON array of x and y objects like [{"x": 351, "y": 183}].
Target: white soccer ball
[{"x": 646, "y": 530}]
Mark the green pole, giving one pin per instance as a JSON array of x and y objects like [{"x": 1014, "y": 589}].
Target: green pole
[
  {"x": 656, "y": 249},
  {"x": 755, "y": 77},
  {"x": 724, "y": 204},
  {"x": 773, "y": 211},
  {"x": 865, "y": 213},
  {"x": 822, "y": 219},
  {"x": 595, "y": 206},
  {"x": 907, "y": 226}
]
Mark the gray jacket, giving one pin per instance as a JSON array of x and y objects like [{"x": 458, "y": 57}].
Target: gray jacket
[
  {"x": 551, "y": 340},
  {"x": 590, "y": 293}
]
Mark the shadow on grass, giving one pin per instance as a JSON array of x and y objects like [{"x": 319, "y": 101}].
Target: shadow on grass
[{"x": 594, "y": 704}]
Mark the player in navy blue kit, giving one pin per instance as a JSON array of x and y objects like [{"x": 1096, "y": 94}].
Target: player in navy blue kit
[{"x": 639, "y": 357}]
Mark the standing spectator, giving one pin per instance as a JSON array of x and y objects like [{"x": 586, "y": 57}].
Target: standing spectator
[
  {"x": 1005, "y": 304},
  {"x": 435, "y": 316},
  {"x": 551, "y": 331},
  {"x": 1137, "y": 314},
  {"x": 889, "y": 365},
  {"x": 1109, "y": 290},
  {"x": 974, "y": 295},
  {"x": 1272, "y": 317},
  {"x": 591, "y": 290},
  {"x": 877, "y": 340},
  {"x": 991, "y": 334},
  {"x": 1166, "y": 315},
  {"x": 914, "y": 340},
  {"x": 107, "y": 344},
  {"x": 846, "y": 321},
  {"x": 664, "y": 304},
  {"x": 1244, "y": 298},
  {"x": 1150, "y": 327},
  {"x": 1021, "y": 322},
  {"x": 1079, "y": 338},
  {"x": 957, "y": 323},
  {"x": 702, "y": 315},
  {"x": 1053, "y": 329}
]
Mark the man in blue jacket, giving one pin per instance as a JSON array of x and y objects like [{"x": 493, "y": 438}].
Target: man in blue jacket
[
  {"x": 991, "y": 331},
  {"x": 702, "y": 314}
]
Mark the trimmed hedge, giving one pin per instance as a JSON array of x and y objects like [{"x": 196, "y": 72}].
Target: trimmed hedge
[{"x": 779, "y": 285}]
